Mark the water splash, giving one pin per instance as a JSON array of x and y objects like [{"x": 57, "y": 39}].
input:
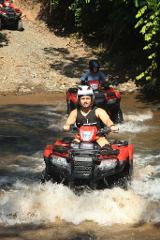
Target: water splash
[
  {"x": 145, "y": 182},
  {"x": 138, "y": 117},
  {"x": 45, "y": 203},
  {"x": 146, "y": 158},
  {"x": 148, "y": 188},
  {"x": 134, "y": 122},
  {"x": 133, "y": 127},
  {"x": 28, "y": 202},
  {"x": 27, "y": 169}
]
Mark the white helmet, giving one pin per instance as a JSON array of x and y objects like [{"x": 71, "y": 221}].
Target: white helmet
[{"x": 85, "y": 90}]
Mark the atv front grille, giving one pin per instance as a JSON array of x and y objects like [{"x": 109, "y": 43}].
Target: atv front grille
[
  {"x": 11, "y": 15},
  {"x": 82, "y": 167}
]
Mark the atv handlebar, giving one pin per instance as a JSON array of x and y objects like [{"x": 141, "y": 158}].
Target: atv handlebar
[
  {"x": 104, "y": 131},
  {"x": 110, "y": 80},
  {"x": 73, "y": 128},
  {"x": 113, "y": 79},
  {"x": 101, "y": 131}
]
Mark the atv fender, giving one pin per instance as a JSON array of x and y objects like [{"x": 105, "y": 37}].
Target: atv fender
[
  {"x": 118, "y": 95},
  {"x": 48, "y": 151},
  {"x": 130, "y": 152}
]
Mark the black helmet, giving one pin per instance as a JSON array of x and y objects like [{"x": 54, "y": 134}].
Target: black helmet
[{"x": 94, "y": 64}]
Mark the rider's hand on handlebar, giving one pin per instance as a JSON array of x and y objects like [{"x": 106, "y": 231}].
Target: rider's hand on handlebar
[
  {"x": 66, "y": 127},
  {"x": 114, "y": 129},
  {"x": 71, "y": 128},
  {"x": 109, "y": 78}
]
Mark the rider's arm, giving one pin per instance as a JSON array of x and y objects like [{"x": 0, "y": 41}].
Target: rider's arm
[
  {"x": 84, "y": 77},
  {"x": 101, "y": 113},
  {"x": 70, "y": 120},
  {"x": 102, "y": 77},
  {"x": 104, "y": 80}
]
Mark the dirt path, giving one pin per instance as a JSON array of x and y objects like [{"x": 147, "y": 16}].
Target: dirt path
[{"x": 36, "y": 60}]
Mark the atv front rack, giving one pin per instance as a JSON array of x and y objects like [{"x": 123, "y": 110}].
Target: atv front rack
[{"x": 96, "y": 152}]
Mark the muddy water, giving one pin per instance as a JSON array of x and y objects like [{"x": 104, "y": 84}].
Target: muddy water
[{"x": 29, "y": 210}]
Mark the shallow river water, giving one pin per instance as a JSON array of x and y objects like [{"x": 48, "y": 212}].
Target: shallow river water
[{"x": 29, "y": 210}]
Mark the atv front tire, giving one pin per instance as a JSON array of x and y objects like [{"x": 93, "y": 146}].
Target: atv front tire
[
  {"x": 124, "y": 178},
  {"x": 0, "y": 24},
  {"x": 125, "y": 181},
  {"x": 45, "y": 177}
]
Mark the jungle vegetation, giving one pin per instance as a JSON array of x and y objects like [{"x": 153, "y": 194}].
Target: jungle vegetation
[{"x": 127, "y": 32}]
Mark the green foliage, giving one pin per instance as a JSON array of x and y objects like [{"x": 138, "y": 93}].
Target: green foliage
[
  {"x": 129, "y": 29},
  {"x": 54, "y": 3},
  {"x": 148, "y": 22}
]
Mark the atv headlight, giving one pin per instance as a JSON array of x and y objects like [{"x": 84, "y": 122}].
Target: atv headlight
[
  {"x": 60, "y": 161},
  {"x": 108, "y": 164}
]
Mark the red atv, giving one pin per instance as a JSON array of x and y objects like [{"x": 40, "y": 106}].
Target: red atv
[
  {"x": 11, "y": 17},
  {"x": 85, "y": 163},
  {"x": 106, "y": 97}
]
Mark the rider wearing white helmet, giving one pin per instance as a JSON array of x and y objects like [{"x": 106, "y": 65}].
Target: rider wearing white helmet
[
  {"x": 86, "y": 112},
  {"x": 85, "y": 91}
]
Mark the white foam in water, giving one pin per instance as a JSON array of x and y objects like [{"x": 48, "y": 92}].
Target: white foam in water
[
  {"x": 50, "y": 110},
  {"x": 146, "y": 159},
  {"x": 45, "y": 203},
  {"x": 135, "y": 122},
  {"x": 23, "y": 170},
  {"x": 53, "y": 114},
  {"x": 133, "y": 127},
  {"x": 138, "y": 117},
  {"x": 145, "y": 182},
  {"x": 150, "y": 188},
  {"x": 25, "y": 163},
  {"x": 7, "y": 180}
]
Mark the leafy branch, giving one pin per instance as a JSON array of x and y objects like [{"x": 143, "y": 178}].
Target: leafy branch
[{"x": 148, "y": 22}]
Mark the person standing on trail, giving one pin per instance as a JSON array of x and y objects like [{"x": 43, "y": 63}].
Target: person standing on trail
[{"x": 87, "y": 113}]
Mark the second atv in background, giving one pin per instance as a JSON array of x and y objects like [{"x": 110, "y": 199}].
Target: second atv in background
[
  {"x": 106, "y": 97},
  {"x": 10, "y": 16}
]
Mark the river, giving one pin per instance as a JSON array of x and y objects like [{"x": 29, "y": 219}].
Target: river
[{"x": 29, "y": 210}]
